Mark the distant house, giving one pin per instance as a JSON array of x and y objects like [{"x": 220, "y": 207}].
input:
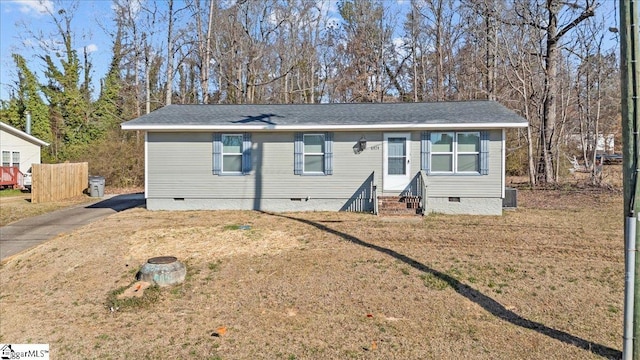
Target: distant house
[
  {"x": 446, "y": 157},
  {"x": 18, "y": 148},
  {"x": 605, "y": 143}
]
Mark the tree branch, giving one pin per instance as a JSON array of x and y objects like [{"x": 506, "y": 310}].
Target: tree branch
[{"x": 587, "y": 13}]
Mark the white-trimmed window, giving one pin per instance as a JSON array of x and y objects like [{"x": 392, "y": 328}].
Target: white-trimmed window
[
  {"x": 231, "y": 154},
  {"x": 467, "y": 152},
  {"x": 451, "y": 152},
  {"x": 11, "y": 158},
  {"x": 6, "y": 158},
  {"x": 313, "y": 154},
  {"x": 15, "y": 159}
]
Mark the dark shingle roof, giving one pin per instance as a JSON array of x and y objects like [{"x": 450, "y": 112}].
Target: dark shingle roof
[{"x": 328, "y": 116}]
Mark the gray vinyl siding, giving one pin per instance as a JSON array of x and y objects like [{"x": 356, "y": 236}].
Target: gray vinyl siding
[
  {"x": 179, "y": 165},
  {"x": 484, "y": 186}
]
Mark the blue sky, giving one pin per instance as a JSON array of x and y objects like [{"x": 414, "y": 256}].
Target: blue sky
[{"x": 24, "y": 24}]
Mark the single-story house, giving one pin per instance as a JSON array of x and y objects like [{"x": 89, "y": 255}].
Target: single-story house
[
  {"x": 446, "y": 157},
  {"x": 19, "y": 149}
]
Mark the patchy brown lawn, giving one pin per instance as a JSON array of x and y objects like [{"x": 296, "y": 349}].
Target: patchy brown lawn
[
  {"x": 18, "y": 206},
  {"x": 14, "y": 208},
  {"x": 544, "y": 281}
]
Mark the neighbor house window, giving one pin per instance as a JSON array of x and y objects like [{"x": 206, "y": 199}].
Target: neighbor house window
[
  {"x": 15, "y": 159},
  {"x": 11, "y": 158},
  {"x": 6, "y": 158},
  {"x": 231, "y": 154},
  {"x": 462, "y": 152},
  {"x": 313, "y": 154}
]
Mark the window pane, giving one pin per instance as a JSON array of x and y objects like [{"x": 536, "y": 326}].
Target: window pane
[
  {"x": 232, "y": 144},
  {"x": 15, "y": 159},
  {"x": 314, "y": 144},
  {"x": 441, "y": 162},
  {"x": 397, "y": 147},
  {"x": 469, "y": 142},
  {"x": 442, "y": 142},
  {"x": 314, "y": 163},
  {"x": 232, "y": 163},
  {"x": 397, "y": 166},
  {"x": 6, "y": 157},
  {"x": 469, "y": 162}
]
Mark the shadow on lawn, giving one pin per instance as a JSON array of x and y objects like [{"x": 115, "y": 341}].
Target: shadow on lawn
[{"x": 474, "y": 295}]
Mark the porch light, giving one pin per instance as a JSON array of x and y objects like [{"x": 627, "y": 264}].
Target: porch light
[{"x": 360, "y": 146}]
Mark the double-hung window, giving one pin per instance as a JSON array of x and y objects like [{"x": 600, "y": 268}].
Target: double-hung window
[
  {"x": 455, "y": 152},
  {"x": 6, "y": 158},
  {"x": 313, "y": 154},
  {"x": 15, "y": 159},
  {"x": 231, "y": 154},
  {"x": 11, "y": 158}
]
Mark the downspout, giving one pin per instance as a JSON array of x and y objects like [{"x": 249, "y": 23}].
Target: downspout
[
  {"x": 503, "y": 155},
  {"x": 146, "y": 165}
]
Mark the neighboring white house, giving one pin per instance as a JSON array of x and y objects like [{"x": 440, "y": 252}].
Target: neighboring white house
[
  {"x": 18, "y": 148},
  {"x": 605, "y": 144}
]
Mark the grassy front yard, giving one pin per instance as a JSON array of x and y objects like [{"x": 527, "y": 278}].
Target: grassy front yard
[
  {"x": 543, "y": 281},
  {"x": 16, "y": 205}
]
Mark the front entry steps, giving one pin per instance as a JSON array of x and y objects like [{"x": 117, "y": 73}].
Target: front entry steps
[{"x": 399, "y": 206}]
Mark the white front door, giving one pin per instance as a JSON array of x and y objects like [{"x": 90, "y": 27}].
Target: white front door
[{"x": 397, "y": 161}]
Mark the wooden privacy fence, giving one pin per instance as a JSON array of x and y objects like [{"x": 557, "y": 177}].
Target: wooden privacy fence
[{"x": 53, "y": 182}]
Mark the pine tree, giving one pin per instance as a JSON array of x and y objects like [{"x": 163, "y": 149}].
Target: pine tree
[
  {"x": 109, "y": 106},
  {"x": 28, "y": 99}
]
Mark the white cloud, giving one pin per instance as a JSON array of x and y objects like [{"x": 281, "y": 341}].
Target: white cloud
[
  {"x": 132, "y": 7},
  {"x": 35, "y": 7},
  {"x": 400, "y": 47},
  {"x": 91, "y": 48},
  {"x": 327, "y": 7}
]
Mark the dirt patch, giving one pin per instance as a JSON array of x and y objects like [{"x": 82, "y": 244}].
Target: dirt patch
[{"x": 543, "y": 281}]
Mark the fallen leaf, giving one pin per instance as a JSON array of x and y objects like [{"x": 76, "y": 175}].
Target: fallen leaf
[
  {"x": 374, "y": 345},
  {"x": 369, "y": 315},
  {"x": 219, "y": 331}
]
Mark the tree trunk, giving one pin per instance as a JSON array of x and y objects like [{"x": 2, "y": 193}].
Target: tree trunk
[
  {"x": 545, "y": 169},
  {"x": 545, "y": 166},
  {"x": 169, "y": 87}
]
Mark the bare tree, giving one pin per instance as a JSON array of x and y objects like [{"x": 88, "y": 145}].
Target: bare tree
[
  {"x": 170, "y": 52},
  {"x": 595, "y": 82},
  {"x": 555, "y": 19},
  {"x": 203, "y": 17},
  {"x": 366, "y": 36}
]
